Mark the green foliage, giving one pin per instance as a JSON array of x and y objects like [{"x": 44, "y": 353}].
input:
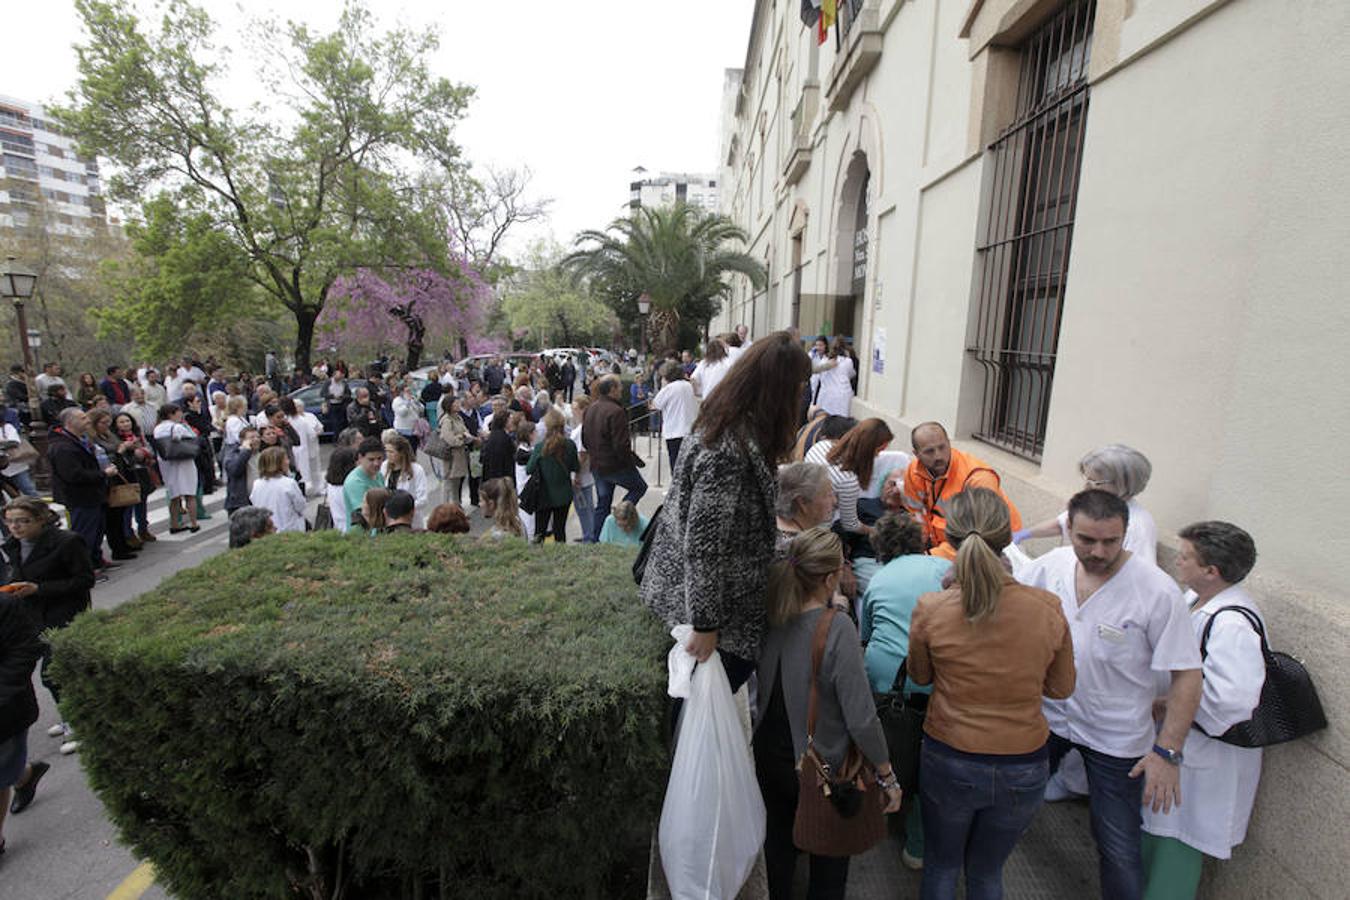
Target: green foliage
[
  {"x": 679, "y": 255},
  {"x": 549, "y": 305},
  {"x": 298, "y": 206},
  {"x": 321, "y": 715},
  {"x": 186, "y": 282}
]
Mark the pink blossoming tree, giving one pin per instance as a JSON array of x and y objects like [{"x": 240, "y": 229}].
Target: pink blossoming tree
[{"x": 408, "y": 308}]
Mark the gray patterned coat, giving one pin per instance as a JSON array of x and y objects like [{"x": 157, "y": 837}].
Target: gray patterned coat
[{"x": 709, "y": 562}]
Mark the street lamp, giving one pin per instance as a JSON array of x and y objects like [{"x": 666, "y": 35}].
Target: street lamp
[
  {"x": 644, "y": 307},
  {"x": 17, "y": 283}
]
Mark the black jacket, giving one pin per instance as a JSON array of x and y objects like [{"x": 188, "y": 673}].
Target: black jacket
[
  {"x": 20, "y": 649},
  {"x": 236, "y": 477},
  {"x": 62, "y": 569},
  {"x": 499, "y": 456},
  {"x": 365, "y": 419},
  {"x": 77, "y": 479}
]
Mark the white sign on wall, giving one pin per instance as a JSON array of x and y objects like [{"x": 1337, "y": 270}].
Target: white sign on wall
[{"x": 879, "y": 350}]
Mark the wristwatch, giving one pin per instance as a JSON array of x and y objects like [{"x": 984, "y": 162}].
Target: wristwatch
[{"x": 1172, "y": 756}]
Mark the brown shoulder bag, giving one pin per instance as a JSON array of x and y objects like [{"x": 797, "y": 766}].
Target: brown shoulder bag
[{"x": 838, "y": 813}]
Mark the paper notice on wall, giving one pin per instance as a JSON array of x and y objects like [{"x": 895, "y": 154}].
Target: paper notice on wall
[{"x": 879, "y": 350}]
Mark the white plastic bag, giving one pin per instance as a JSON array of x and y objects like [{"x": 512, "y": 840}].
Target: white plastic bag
[
  {"x": 712, "y": 822},
  {"x": 680, "y": 664}
]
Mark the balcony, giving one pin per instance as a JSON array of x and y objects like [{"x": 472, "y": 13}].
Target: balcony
[
  {"x": 859, "y": 51},
  {"x": 803, "y": 118}
]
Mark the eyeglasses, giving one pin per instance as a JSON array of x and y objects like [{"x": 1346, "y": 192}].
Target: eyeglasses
[
  {"x": 1094, "y": 483},
  {"x": 12, "y": 522}
]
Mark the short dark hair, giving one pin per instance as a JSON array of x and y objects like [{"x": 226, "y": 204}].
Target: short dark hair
[
  {"x": 914, "y": 432},
  {"x": 18, "y": 367},
  {"x": 835, "y": 427},
  {"x": 399, "y": 504},
  {"x": 111, "y": 369},
  {"x": 1099, "y": 506},
  {"x": 898, "y": 534},
  {"x": 370, "y": 445},
  {"x": 1223, "y": 545},
  {"x": 271, "y": 410}
]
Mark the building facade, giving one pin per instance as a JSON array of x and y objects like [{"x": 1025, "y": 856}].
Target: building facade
[
  {"x": 38, "y": 164},
  {"x": 1058, "y": 224},
  {"x": 668, "y": 188}
]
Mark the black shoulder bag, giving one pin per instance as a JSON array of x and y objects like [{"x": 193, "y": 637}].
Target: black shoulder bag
[
  {"x": 648, "y": 538},
  {"x": 1289, "y": 707},
  {"x": 902, "y": 721}
]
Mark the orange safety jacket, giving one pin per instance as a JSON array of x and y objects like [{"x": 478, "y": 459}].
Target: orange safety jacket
[{"x": 926, "y": 497}]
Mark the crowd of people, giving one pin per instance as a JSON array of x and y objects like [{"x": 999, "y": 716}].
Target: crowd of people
[
  {"x": 787, "y": 526},
  {"x": 776, "y": 517}
]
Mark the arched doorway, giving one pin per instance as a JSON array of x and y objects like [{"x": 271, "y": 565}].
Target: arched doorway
[{"x": 852, "y": 243}]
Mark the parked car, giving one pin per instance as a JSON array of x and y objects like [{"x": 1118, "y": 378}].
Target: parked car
[{"x": 334, "y": 418}]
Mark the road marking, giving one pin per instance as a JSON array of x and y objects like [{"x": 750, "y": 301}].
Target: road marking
[{"x": 136, "y": 884}]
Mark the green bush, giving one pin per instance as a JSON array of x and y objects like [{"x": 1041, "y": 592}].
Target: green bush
[{"x": 416, "y": 716}]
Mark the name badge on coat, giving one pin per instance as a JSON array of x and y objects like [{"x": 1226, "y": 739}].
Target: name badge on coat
[{"x": 1110, "y": 633}]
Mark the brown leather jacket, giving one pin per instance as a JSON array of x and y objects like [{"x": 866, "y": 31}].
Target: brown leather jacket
[{"x": 604, "y": 431}]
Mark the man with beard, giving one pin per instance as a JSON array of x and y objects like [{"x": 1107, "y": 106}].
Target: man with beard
[
  {"x": 1129, "y": 624},
  {"x": 940, "y": 472}
]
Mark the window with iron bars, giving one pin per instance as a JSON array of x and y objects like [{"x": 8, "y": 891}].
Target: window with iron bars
[{"x": 1022, "y": 252}]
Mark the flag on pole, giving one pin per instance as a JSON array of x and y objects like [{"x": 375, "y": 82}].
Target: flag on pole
[
  {"x": 829, "y": 10},
  {"x": 810, "y": 12}
]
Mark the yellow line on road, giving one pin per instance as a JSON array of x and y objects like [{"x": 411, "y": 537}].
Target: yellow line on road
[{"x": 136, "y": 884}]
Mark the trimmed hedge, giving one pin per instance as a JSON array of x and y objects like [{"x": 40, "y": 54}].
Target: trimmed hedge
[{"x": 416, "y": 716}]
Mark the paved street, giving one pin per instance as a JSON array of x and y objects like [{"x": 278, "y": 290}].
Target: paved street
[{"x": 64, "y": 848}]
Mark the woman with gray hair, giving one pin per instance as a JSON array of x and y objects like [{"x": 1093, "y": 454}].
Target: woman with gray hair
[
  {"x": 805, "y": 500},
  {"x": 1123, "y": 471}
]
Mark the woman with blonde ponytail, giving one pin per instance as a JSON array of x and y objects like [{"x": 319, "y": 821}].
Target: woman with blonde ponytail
[
  {"x": 991, "y": 648},
  {"x": 801, "y": 586}
]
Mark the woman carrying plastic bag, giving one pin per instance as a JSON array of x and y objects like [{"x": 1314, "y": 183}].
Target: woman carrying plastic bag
[{"x": 712, "y": 821}]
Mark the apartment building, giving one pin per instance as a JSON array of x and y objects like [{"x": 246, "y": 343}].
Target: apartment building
[
  {"x": 39, "y": 164},
  {"x": 669, "y": 187}
]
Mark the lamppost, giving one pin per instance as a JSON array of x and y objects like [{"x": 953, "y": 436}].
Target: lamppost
[
  {"x": 17, "y": 284},
  {"x": 644, "y": 307}
]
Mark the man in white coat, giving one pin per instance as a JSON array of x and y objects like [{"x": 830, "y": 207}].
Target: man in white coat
[
  {"x": 1129, "y": 624},
  {"x": 1218, "y": 780}
]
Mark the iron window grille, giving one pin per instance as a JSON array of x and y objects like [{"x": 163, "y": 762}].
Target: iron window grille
[{"x": 1022, "y": 252}]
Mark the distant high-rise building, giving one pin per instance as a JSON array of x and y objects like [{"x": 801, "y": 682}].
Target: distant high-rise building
[
  {"x": 667, "y": 188},
  {"x": 39, "y": 164}
]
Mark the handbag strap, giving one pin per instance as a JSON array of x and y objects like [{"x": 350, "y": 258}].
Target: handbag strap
[
  {"x": 899, "y": 684},
  {"x": 817, "y": 655},
  {"x": 1247, "y": 614}
]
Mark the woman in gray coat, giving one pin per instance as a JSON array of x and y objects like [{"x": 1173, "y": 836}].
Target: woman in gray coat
[
  {"x": 800, "y": 591},
  {"x": 709, "y": 560}
]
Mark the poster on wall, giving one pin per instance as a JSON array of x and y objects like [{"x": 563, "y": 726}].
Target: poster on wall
[{"x": 879, "y": 351}]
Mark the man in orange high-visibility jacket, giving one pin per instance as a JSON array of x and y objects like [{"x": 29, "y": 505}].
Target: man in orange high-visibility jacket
[{"x": 939, "y": 473}]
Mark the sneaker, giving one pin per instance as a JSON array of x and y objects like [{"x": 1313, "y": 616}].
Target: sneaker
[
  {"x": 57, "y": 730},
  {"x": 914, "y": 863},
  {"x": 24, "y": 795},
  {"x": 70, "y": 747}
]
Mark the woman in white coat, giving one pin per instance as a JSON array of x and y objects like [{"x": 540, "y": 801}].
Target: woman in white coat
[
  {"x": 307, "y": 428},
  {"x": 180, "y": 475},
  {"x": 402, "y": 473},
  {"x": 1218, "y": 780},
  {"x": 710, "y": 371},
  {"x": 276, "y": 491},
  {"x": 836, "y": 381}
]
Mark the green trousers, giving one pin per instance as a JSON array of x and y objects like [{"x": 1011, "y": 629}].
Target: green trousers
[{"x": 1171, "y": 868}]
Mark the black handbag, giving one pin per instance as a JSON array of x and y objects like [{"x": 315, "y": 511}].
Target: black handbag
[
  {"x": 645, "y": 550},
  {"x": 529, "y": 494},
  {"x": 902, "y": 721},
  {"x": 177, "y": 448},
  {"x": 1289, "y": 707}
]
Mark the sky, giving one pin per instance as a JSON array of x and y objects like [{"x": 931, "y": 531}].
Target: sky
[{"x": 579, "y": 93}]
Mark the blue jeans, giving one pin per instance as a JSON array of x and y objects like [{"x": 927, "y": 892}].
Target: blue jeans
[
  {"x": 630, "y": 479},
  {"x": 584, "y": 499},
  {"x": 24, "y": 482},
  {"x": 88, "y": 523},
  {"x": 975, "y": 808},
  {"x": 1114, "y": 800}
]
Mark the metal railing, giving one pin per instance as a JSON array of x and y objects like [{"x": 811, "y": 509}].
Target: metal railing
[{"x": 653, "y": 438}]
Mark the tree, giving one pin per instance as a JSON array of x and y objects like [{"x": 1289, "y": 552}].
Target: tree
[
  {"x": 300, "y": 194},
  {"x": 548, "y": 304},
  {"x": 481, "y": 212},
  {"x": 362, "y": 307},
  {"x": 67, "y": 260},
  {"x": 678, "y": 255}
]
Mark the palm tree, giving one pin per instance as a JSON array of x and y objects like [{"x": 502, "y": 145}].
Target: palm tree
[{"x": 678, "y": 255}]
